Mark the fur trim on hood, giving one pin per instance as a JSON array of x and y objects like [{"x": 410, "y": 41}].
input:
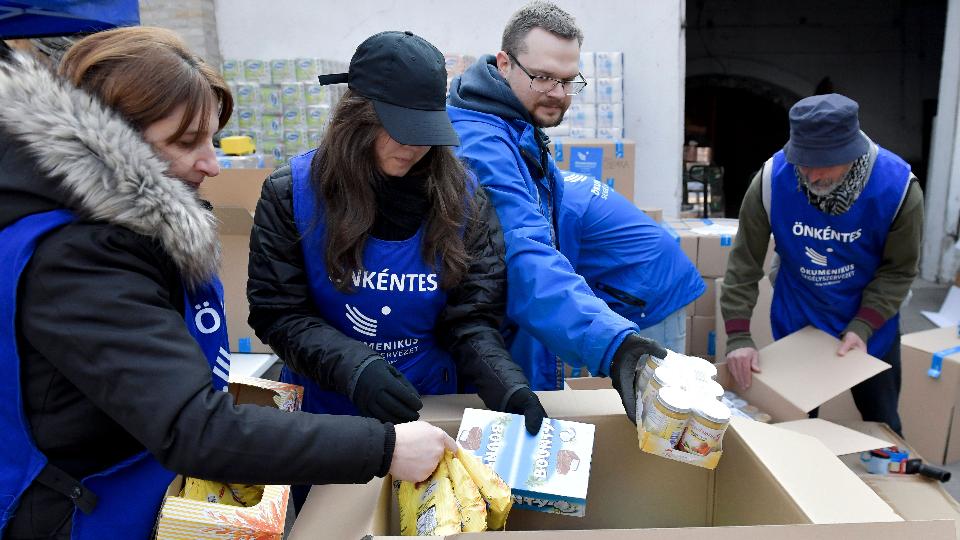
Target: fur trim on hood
[{"x": 104, "y": 167}]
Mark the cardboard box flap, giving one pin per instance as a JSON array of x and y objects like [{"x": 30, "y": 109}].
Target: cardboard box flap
[
  {"x": 346, "y": 511},
  {"x": 933, "y": 341},
  {"x": 942, "y": 529},
  {"x": 805, "y": 370},
  {"x": 914, "y": 497},
  {"x": 789, "y": 456},
  {"x": 840, "y": 440},
  {"x": 234, "y": 220}
]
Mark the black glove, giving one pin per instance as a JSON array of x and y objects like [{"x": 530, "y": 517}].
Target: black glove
[
  {"x": 385, "y": 394},
  {"x": 623, "y": 369},
  {"x": 525, "y": 402}
]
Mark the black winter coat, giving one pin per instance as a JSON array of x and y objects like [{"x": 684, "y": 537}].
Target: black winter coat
[
  {"x": 283, "y": 314},
  {"x": 107, "y": 365}
]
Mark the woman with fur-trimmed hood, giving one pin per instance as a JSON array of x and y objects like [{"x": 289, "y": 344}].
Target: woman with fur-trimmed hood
[{"x": 112, "y": 333}]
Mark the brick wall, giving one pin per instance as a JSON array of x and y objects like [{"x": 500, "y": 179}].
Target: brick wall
[{"x": 194, "y": 20}]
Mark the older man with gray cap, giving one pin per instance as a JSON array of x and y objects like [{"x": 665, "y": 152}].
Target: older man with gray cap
[{"x": 846, "y": 217}]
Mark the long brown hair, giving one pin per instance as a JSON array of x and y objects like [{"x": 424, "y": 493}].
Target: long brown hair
[
  {"x": 343, "y": 171},
  {"x": 144, "y": 74}
]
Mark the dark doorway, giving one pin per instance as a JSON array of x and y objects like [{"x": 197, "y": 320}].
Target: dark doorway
[{"x": 745, "y": 122}]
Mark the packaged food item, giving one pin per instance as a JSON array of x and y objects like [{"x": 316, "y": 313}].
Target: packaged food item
[
  {"x": 473, "y": 511},
  {"x": 649, "y": 366},
  {"x": 665, "y": 375},
  {"x": 708, "y": 421},
  {"x": 708, "y": 389},
  {"x": 752, "y": 410},
  {"x": 668, "y": 416},
  {"x": 492, "y": 488},
  {"x": 243, "y": 495},
  {"x": 429, "y": 508}
]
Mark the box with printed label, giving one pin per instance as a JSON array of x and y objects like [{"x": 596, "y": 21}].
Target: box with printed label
[
  {"x": 609, "y": 90},
  {"x": 546, "y": 472},
  {"x": 582, "y": 116},
  {"x": 610, "y": 162},
  {"x": 609, "y": 64}
]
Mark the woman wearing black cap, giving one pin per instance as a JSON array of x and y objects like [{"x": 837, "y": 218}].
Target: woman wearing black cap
[{"x": 376, "y": 263}]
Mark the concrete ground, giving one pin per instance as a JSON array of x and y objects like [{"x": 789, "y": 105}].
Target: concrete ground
[{"x": 928, "y": 297}]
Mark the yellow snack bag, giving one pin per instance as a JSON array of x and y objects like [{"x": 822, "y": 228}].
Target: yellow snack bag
[
  {"x": 429, "y": 507},
  {"x": 494, "y": 490},
  {"x": 472, "y": 508},
  {"x": 244, "y": 495}
]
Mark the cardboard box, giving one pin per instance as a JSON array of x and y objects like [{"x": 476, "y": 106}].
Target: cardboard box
[
  {"x": 611, "y": 162},
  {"x": 182, "y": 519},
  {"x": 928, "y": 405},
  {"x": 655, "y": 214},
  {"x": 706, "y": 304},
  {"x": 234, "y": 195},
  {"x": 546, "y": 472},
  {"x": 913, "y": 497},
  {"x": 768, "y": 476},
  {"x": 703, "y": 337},
  {"x": 681, "y": 233},
  {"x": 715, "y": 240}
]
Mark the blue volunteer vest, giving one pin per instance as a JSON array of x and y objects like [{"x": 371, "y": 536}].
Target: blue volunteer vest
[
  {"x": 827, "y": 260},
  {"x": 393, "y": 308},
  {"x": 129, "y": 494}
]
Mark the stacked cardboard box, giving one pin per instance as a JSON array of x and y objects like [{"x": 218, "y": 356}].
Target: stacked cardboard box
[
  {"x": 707, "y": 243},
  {"x": 234, "y": 195},
  {"x": 611, "y": 162},
  {"x": 280, "y": 104}
]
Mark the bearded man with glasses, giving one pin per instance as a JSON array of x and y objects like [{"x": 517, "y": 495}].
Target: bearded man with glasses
[{"x": 498, "y": 108}]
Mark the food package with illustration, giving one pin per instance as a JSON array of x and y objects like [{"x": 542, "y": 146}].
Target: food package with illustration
[
  {"x": 201, "y": 509},
  {"x": 546, "y": 472},
  {"x": 680, "y": 415}
]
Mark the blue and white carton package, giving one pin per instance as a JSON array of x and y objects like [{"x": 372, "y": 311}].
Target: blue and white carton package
[{"x": 546, "y": 472}]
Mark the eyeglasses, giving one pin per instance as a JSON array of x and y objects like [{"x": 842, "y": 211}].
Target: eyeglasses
[{"x": 545, "y": 85}]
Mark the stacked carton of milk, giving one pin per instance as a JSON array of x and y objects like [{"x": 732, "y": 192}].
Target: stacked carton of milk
[
  {"x": 597, "y": 111},
  {"x": 279, "y": 103}
]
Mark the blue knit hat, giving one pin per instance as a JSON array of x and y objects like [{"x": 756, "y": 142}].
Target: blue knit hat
[{"x": 825, "y": 131}]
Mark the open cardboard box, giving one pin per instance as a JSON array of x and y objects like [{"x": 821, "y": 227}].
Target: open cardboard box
[
  {"x": 234, "y": 195},
  {"x": 183, "y": 519},
  {"x": 771, "y": 483},
  {"x": 911, "y": 496}
]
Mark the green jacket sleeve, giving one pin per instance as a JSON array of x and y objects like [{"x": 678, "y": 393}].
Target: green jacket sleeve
[{"x": 738, "y": 295}]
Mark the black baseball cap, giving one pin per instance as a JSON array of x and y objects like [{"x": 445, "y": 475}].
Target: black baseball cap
[{"x": 406, "y": 79}]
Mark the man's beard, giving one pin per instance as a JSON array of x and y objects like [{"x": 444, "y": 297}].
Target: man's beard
[
  {"x": 823, "y": 187},
  {"x": 552, "y": 123}
]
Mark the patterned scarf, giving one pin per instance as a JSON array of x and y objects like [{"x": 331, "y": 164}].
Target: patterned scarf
[{"x": 842, "y": 198}]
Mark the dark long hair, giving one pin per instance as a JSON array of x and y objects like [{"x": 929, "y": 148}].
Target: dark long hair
[{"x": 343, "y": 171}]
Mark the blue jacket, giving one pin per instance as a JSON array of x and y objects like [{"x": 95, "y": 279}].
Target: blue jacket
[
  {"x": 629, "y": 260},
  {"x": 545, "y": 295}
]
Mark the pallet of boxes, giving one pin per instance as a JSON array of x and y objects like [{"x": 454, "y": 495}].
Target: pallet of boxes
[{"x": 279, "y": 103}]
